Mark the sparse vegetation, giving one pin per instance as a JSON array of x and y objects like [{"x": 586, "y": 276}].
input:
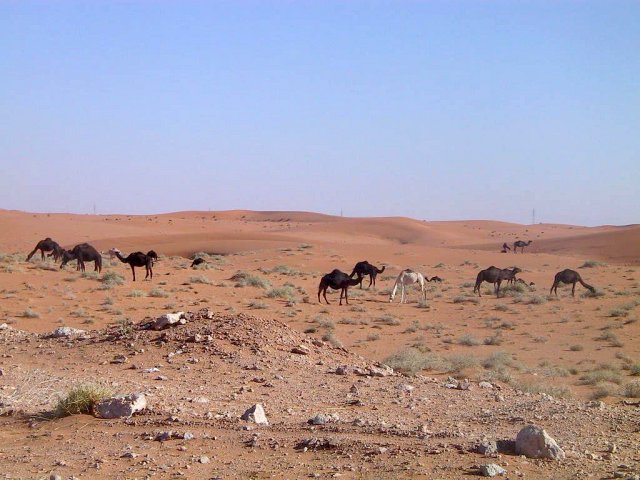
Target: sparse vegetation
[
  {"x": 285, "y": 292},
  {"x": 243, "y": 279},
  {"x": 158, "y": 293},
  {"x": 201, "y": 279},
  {"x": 632, "y": 389},
  {"x": 81, "y": 399},
  {"x": 137, "y": 293},
  {"x": 468, "y": 340},
  {"x": 29, "y": 313},
  {"x": 111, "y": 279},
  {"x": 592, "y": 264}
]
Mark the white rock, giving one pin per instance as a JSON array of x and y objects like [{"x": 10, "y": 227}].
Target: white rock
[
  {"x": 168, "y": 319},
  {"x": 256, "y": 414},
  {"x": 492, "y": 470},
  {"x": 533, "y": 442},
  {"x": 66, "y": 332},
  {"x": 485, "y": 385},
  {"x": 121, "y": 406}
]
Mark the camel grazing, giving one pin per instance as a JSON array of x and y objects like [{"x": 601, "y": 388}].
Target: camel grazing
[
  {"x": 569, "y": 276},
  {"x": 83, "y": 253},
  {"x": 337, "y": 280},
  {"x": 363, "y": 269},
  {"x": 47, "y": 245},
  {"x": 405, "y": 278},
  {"x": 495, "y": 276},
  {"x": 136, "y": 259},
  {"x": 505, "y": 248},
  {"x": 197, "y": 261},
  {"x": 520, "y": 244}
]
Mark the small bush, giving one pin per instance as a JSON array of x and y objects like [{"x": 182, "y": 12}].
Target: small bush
[
  {"x": 461, "y": 362},
  {"x": 561, "y": 391},
  {"x": 635, "y": 369},
  {"x": 468, "y": 340},
  {"x": 28, "y": 313},
  {"x": 257, "y": 305},
  {"x": 281, "y": 292},
  {"x": 200, "y": 279},
  {"x": 332, "y": 339},
  {"x": 632, "y": 389},
  {"x": 81, "y": 399},
  {"x": 111, "y": 279},
  {"x": 244, "y": 279},
  {"x": 136, "y": 294},
  {"x": 494, "y": 339},
  {"x": 592, "y": 264},
  {"x": 411, "y": 361},
  {"x": 387, "y": 320},
  {"x": 501, "y": 307},
  {"x": 158, "y": 293},
  {"x": 576, "y": 348},
  {"x": 372, "y": 337},
  {"x": 601, "y": 375}
]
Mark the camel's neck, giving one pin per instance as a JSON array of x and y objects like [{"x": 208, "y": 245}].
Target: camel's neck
[{"x": 120, "y": 257}]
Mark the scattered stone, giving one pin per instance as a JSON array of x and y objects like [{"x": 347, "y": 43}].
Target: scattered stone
[
  {"x": 316, "y": 443},
  {"x": 187, "y": 436},
  {"x": 163, "y": 436},
  {"x": 492, "y": 470},
  {"x": 300, "y": 350},
  {"x": 485, "y": 385},
  {"x": 256, "y": 414},
  {"x": 119, "y": 359},
  {"x": 533, "y": 442},
  {"x": 342, "y": 370},
  {"x": 63, "y": 332},
  {"x": 406, "y": 388},
  {"x": 120, "y": 406},
  {"x": 487, "y": 447},
  {"x": 168, "y": 320},
  {"x": 129, "y": 455},
  {"x": 323, "y": 418},
  {"x": 55, "y": 477},
  {"x": 204, "y": 459}
]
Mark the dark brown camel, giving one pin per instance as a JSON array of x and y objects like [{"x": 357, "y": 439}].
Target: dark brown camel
[
  {"x": 153, "y": 256},
  {"x": 569, "y": 276},
  {"x": 197, "y": 261},
  {"x": 520, "y": 244},
  {"x": 495, "y": 276},
  {"x": 337, "y": 280},
  {"x": 83, "y": 253},
  {"x": 137, "y": 259},
  {"x": 47, "y": 245},
  {"x": 364, "y": 268}
]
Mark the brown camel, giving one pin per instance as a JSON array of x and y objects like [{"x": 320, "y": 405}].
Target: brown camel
[
  {"x": 337, "y": 280},
  {"x": 495, "y": 276},
  {"x": 520, "y": 244},
  {"x": 569, "y": 276},
  {"x": 83, "y": 253},
  {"x": 47, "y": 245},
  {"x": 364, "y": 268},
  {"x": 137, "y": 259}
]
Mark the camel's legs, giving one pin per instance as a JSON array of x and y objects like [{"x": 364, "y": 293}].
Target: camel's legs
[
  {"x": 324, "y": 294},
  {"x": 133, "y": 270},
  {"x": 573, "y": 290}
]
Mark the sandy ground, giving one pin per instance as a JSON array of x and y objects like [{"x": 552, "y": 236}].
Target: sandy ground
[{"x": 530, "y": 344}]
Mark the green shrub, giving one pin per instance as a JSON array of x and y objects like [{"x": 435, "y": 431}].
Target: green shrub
[
  {"x": 281, "y": 292},
  {"x": 243, "y": 279},
  {"x": 111, "y": 279},
  {"x": 81, "y": 399}
]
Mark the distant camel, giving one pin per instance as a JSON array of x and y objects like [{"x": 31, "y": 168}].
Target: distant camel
[
  {"x": 520, "y": 244},
  {"x": 337, "y": 280},
  {"x": 136, "y": 259},
  {"x": 83, "y": 253},
  {"x": 569, "y": 276},
  {"x": 405, "y": 278},
  {"x": 363, "y": 269},
  {"x": 505, "y": 247},
  {"x": 495, "y": 276},
  {"x": 47, "y": 245},
  {"x": 197, "y": 261}
]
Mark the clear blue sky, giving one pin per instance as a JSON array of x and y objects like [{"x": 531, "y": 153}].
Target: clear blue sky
[{"x": 434, "y": 110}]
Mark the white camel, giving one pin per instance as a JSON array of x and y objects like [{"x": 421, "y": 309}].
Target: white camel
[{"x": 408, "y": 277}]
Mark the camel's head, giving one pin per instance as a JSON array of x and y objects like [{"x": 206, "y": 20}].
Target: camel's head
[
  {"x": 516, "y": 270},
  {"x": 67, "y": 255}
]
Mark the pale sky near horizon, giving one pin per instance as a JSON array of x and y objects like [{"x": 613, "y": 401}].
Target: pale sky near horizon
[{"x": 436, "y": 110}]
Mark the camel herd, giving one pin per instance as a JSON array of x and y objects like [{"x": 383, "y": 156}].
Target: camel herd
[{"x": 336, "y": 279}]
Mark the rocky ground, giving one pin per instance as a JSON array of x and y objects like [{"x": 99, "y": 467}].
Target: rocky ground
[{"x": 200, "y": 375}]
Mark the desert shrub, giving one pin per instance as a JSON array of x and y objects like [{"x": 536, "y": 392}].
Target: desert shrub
[
  {"x": 460, "y": 362},
  {"x": 137, "y": 293},
  {"x": 81, "y": 399},
  {"x": 632, "y": 389},
  {"x": 243, "y": 279},
  {"x": 422, "y": 303},
  {"x": 592, "y": 264},
  {"x": 618, "y": 312},
  {"x": 332, "y": 339},
  {"x": 513, "y": 290},
  {"x": 255, "y": 305},
  {"x": 201, "y": 279},
  {"x": 411, "y": 361},
  {"x": 466, "y": 298},
  {"x": 498, "y": 360},
  {"x": 601, "y": 375},
  {"x": 387, "y": 319},
  {"x": 494, "y": 339},
  {"x": 576, "y": 348},
  {"x": 281, "y": 269},
  {"x": 29, "y": 313},
  {"x": 595, "y": 294},
  {"x": 501, "y": 307},
  {"x": 634, "y": 369},
  {"x": 468, "y": 340},
  {"x": 281, "y": 292},
  {"x": 111, "y": 279},
  {"x": 372, "y": 337},
  {"x": 91, "y": 275},
  {"x": 559, "y": 391},
  {"x": 535, "y": 300},
  {"x": 158, "y": 293}
]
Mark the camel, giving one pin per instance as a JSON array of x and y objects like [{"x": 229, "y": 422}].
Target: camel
[
  {"x": 83, "y": 253},
  {"x": 405, "y": 278},
  {"x": 496, "y": 276},
  {"x": 505, "y": 247},
  {"x": 569, "y": 276},
  {"x": 520, "y": 244},
  {"x": 153, "y": 256},
  {"x": 197, "y": 261},
  {"x": 363, "y": 269},
  {"x": 434, "y": 279},
  {"x": 137, "y": 259},
  {"x": 337, "y": 280},
  {"x": 47, "y": 245}
]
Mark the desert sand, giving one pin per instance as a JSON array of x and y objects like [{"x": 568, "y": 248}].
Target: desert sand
[{"x": 568, "y": 364}]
